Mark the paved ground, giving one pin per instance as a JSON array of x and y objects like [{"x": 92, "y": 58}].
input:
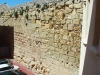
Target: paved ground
[{"x": 23, "y": 68}]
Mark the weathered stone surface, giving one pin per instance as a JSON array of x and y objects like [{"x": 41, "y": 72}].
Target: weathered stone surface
[
  {"x": 68, "y": 21},
  {"x": 81, "y": 16},
  {"x": 71, "y": 59},
  {"x": 62, "y": 41},
  {"x": 80, "y": 11},
  {"x": 62, "y": 3},
  {"x": 64, "y": 47},
  {"x": 68, "y": 2},
  {"x": 78, "y": 5},
  {"x": 68, "y": 10},
  {"x": 63, "y": 21},
  {"x": 65, "y": 26},
  {"x": 70, "y": 26},
  {"x": 38, "y": 23},
  {"x": 71, "y": 6},
  {"x": 60, "y": 14},
  {"x": 49, "y": 38},
  {"x": 47, "y": 17},
  {"x": 76, "y": 21},
  {"x": 65, "y": 37},
  {"x": 72, "y": 54}
]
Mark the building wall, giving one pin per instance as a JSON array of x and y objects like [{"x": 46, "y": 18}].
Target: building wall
[
  {"x": 49, "y": 42},
  {"x": 90, "y": 60}
]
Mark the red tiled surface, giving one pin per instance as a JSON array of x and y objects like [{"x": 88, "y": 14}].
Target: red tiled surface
[{"x": 23, "y": 68}]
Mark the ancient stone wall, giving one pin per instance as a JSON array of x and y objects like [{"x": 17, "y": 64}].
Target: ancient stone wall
[{"x": 49, "y": 41}]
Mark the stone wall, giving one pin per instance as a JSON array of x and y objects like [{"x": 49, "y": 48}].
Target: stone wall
[{"x": 49, "y": 41}]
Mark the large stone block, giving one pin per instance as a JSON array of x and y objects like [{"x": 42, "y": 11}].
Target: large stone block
[
  {"x": 56, "y": 26},
  {"x": 34, "y": 17},
  {"x": 38, "y": 22},
  {"x": 71, "y": 59},
  {"x": 71, "y": 44},
  {"x": 80, "y": 11},
  {"x": 56, "y": 31},
  {"x": 71, "y": 6},
  {"x": 81, "y": 16},
  {"x": 59, "y": 45},
  {"x": 56, "y": 45},
  {"x": 68, "y": 2},
  {"x": 68, "y": 10},
  {"x": 47, "y": 17},
  {"x": 63, "y": 21},
  {"x": 54, "y": 18},
  {"x": 61, "y": 31},
  {"x": 62, "y": 3},
  {"x": 56, "y": 36},
  {"x": 60, "y": 13},
  {"x": 47, "y": 26},
  {"x": 78, "y": 27},
  {"x": 65, "y": 26},
  {"x": 77, "y": 55},
  {"x": 57, "y": 40},
  {"x": 72, "y": 54},
  {"x": 76, "y": 21},
  {"x": 33, "y": 21},
  {"x": 68, "y": 21},
  {"x": 50, "y": 35},
  {"x": 60, "y": 51},
  {"x": 78, "y": 5},
  {"x": 70, "y": 26}
]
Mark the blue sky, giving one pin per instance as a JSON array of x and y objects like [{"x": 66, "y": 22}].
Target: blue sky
[{"x": 13, "y": 2}]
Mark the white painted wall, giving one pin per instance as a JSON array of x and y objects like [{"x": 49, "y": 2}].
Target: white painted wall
[{"x": 87, "y": 12}]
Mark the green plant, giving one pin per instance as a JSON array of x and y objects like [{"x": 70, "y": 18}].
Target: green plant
[
  {"x": 1, "y": 13},
  {"x": 38, "y": 11},
  {"x": 31, "y": 15},
  {"x": 5, "y": 3},
  {"x": 45, "y": 6},
  {"x": 38, "y": 6},
  {"x": 53, "y": 11},
  {"x": 24, "y": 10},
  {"x": 21, "y": 7},
  {"x": 27, "y": 8},
  {"x": 55, "y": 4},
  {"x": 11, "y": 15},
  {"x": 73, "y": 1},
  {"x": 42, "y": 9},
  {"x": 16, "y": 14},
  {"x": 26, "y": 16},
  {"x": 21, "y": 12}
]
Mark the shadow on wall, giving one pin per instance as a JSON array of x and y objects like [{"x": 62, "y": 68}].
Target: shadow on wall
[{"x": 6, "y": 42}]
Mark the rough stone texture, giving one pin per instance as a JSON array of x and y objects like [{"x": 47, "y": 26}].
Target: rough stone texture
[{"x": 49, "y": 42}]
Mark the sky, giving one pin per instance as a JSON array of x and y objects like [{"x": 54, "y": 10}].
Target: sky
[{"x": 14, "y": 2}]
